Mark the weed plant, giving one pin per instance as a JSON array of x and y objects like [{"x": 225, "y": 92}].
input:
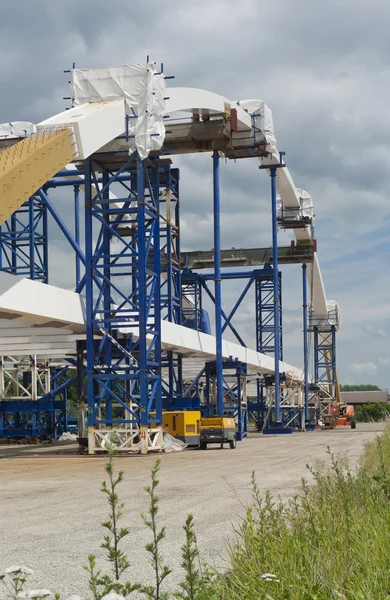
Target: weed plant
[{"x": 330, "y": 541}]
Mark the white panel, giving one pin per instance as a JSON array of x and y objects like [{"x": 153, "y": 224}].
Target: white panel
[
  {"x": 94, "y": 124},
  {"x": 37, "y": 302},
  {"x": 205, "y": 103}
]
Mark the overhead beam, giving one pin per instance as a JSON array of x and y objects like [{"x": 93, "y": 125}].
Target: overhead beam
[{"x": 247, "y": 257}]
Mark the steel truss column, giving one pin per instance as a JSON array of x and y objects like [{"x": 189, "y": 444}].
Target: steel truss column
[
  {"x": 266, "y": 325},
  {"x": 123, "y": 305},
  {"x": 305, "y": 343},
  {"x": 218, "y": 282},
  {"x": 325, "y": 366},
  {"x": 24, "y": 242},
  {"x": 234, "y": 393},
  {"x": 171, "y": 298},
  {"x": 277, "y": 324},
  {"x": 170, "y": 245}
]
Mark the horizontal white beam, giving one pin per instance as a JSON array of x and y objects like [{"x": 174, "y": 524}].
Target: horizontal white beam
[{"x": 36, "y": 302}]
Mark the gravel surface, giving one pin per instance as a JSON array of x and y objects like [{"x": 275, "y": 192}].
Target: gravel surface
[{"x": 51, "y": 507}]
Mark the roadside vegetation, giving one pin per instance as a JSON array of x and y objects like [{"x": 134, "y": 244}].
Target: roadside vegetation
[{"x": 330, "y": 541}]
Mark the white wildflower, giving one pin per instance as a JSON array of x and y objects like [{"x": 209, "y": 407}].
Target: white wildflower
[
  {"x": 113, "y": 596},
  {"x": 268, "y": 576},
  {"x": 18, "y": 570}
]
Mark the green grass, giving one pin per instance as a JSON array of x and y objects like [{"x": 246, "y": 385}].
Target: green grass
[{"x": 332, "y": 540}]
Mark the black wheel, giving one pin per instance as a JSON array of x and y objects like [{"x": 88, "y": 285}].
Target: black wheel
[
  {"x": 353, "y": 424},
  {"x": 203, "y": 446},
  {"x": 233, "y": 443}
]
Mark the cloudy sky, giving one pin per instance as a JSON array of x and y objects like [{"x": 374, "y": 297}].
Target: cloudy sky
[{"x": 323, "y": 69}]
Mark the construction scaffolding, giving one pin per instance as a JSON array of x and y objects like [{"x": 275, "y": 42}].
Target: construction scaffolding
[{"x": 143, "y": 303}]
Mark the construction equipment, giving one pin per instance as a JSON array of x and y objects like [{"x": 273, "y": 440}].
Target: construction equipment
[
  {"x": 346, "y": 416},
  {"x": 339, "y": 415},
  {"x": 183, "y": 425},
  {"x": 217, "y": 430}
]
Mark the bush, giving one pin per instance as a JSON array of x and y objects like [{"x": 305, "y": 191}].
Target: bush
[
  {"x": 328, "y": 542},
  {"x": 367, "y": 413}
]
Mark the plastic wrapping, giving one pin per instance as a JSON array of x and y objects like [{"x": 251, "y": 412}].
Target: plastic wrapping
[
  {"x": 17, "y": 129},
  {"x": 263, "y": 120},
  {"x": 334, "y": 315},
  {"x": 67, "y": 436},
  {"x": 171, "y": 444},
  {"x": 143, "y": 90},
  {"x": 306, "y": 207}
]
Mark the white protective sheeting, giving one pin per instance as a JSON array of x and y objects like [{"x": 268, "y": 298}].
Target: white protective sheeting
[
  {"x": 306, "y": 207},
  {"x": 17, "y": 129},
  {"x": 264, "y": 121},
  {"x": 143, "y": 90}
]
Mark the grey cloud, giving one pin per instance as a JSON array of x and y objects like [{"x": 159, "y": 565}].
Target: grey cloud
[{"x": 323, "y": 70}]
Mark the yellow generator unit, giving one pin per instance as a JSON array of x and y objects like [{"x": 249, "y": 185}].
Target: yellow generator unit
[
  {"x": 183, "y": 425},
  {"x": 217, "y": 430}
]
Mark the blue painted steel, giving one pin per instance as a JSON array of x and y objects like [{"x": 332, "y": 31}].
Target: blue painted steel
[
  {"x": 325, "y": 360},
  {"x": 170, "y": 244},
  {"x": 223, "y": 314},
  {"x": 232, "y": 392},
  {"x": 122, "y": 284},
  {"x": 265, "y": 312},
  {"x": 218, "y": 281},
  {"x": 76, "y": 189},
  {"x": 305, "y": 342},
  {"x": 24, "y": 241},
  {"x": 58, "y": 219},
  {"x": 276, "y": 294},
  {"x": 45, "y": 417}
]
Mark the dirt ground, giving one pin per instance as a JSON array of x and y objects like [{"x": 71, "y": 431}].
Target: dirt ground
[{"x": 51, "y": 506}]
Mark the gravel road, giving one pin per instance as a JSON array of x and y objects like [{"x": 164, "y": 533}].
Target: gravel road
[{"x": 51, "y": 507}]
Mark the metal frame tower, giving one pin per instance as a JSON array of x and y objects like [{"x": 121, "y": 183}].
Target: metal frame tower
[{"x": 24, "y": 241}]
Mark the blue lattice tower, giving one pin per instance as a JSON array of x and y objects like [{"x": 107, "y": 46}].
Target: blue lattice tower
[
  {"x": 24, "y": 242},
  {"x": 123, "y": 307},
  {"x": 170, "y": 280},
  {"x": 192, "y": 301},
  {"x": 325, "y": 365},
  {"x": 234, "y": 393},
  {"x": 265, "y": 331},
  {"x": 170, "y": 244}
]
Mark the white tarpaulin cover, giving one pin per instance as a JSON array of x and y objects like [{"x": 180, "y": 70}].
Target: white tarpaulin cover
[
  {"x": 143, "y": 90},
  {"x": 17, "y": 129},
  {"x": 264, "y": 121},
  {"x": 306, "y": 209}
]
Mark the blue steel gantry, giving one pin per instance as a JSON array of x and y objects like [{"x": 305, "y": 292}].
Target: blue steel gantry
[{"x": 134, "y": 278}]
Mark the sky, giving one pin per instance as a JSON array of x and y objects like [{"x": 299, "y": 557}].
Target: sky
[{"x": 324, "y": 71}]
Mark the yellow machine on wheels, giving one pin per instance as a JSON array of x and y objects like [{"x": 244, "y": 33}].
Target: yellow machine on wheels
[{"x": 217, "y": 430}]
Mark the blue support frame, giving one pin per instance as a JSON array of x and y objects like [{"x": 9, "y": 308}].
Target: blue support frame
[
  {"x": 233, "y": 405},
  {"x": 24, "y": 241},
  {"x": 325, "y": 365},
  {"x": 170, "y": 245},
  {"x": 305, "y": 311},
  {"x": 123, "y": 302},
  {"x": 217, "y": 282},
  {"x": 43, "y": 417}
]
